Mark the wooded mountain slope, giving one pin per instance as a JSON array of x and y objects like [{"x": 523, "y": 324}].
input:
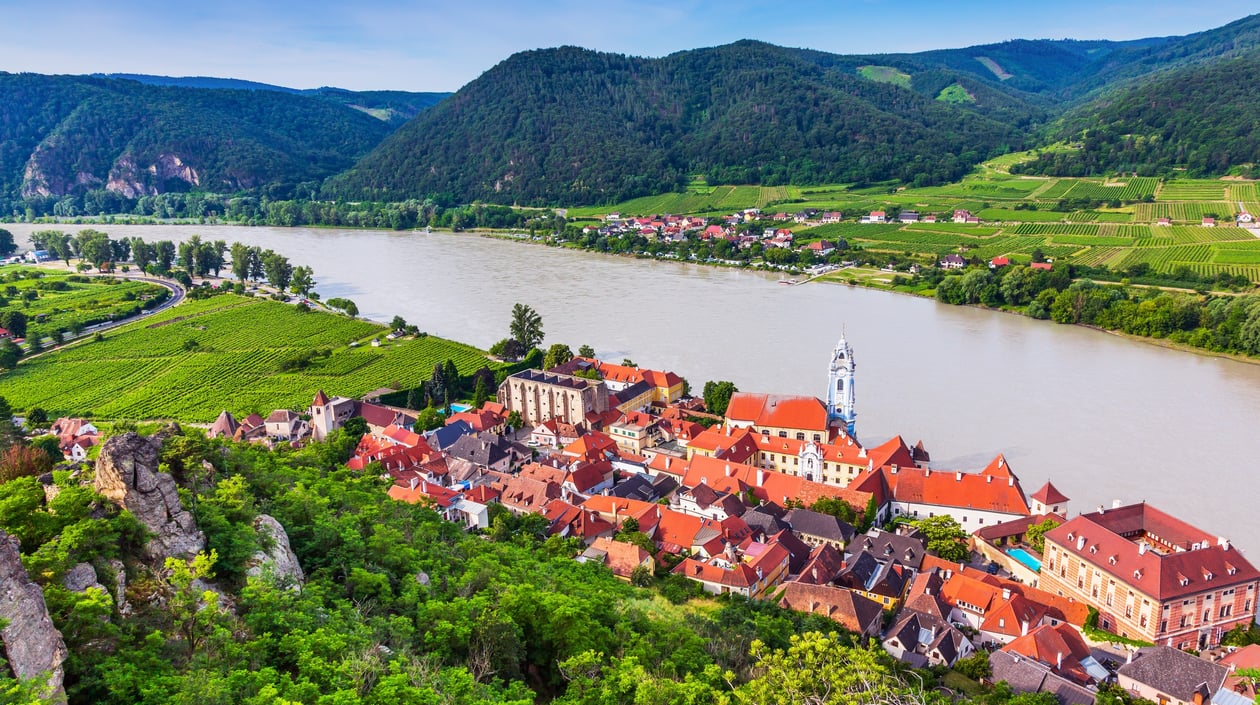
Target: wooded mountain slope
[
  {"x": 69, "y": 134},
  {"x": 1200, "y": 119},
  {"x": 578, "y": 126}
]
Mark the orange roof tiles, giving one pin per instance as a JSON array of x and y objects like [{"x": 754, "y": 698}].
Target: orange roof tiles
[
  {"x": 778, "y": 411},
  {"x": 995, "y": 489}
]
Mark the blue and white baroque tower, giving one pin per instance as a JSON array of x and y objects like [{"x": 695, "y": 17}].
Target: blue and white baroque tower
[{"x": 840, "y": 398}]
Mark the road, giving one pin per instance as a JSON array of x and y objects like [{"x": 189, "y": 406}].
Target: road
[{"x": 177, "y": 295}]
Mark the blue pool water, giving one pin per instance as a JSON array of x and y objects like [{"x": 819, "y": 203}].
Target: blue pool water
[
  {"x": 458, "y": 408},
  {"x": 1026, "y": 558}
]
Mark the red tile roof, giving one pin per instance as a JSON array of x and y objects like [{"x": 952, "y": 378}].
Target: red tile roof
[
  {"x": 995, "y": 489},
  {"x": 1060, "y": 647},
  {"x": 806, "y": 413},
  {"x": 1048, "y": 495},
  {"x": 622, "y": 557},
  {"x": 1109, "y": 540}
]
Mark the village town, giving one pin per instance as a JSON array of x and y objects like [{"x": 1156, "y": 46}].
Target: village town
[{"x": 750, "y": 503}]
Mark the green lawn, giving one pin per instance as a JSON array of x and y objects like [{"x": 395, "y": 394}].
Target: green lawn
[{"x": 201, "y": 357}]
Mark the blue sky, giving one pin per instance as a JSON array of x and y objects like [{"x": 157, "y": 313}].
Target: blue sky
[{"x": 437, "y": 46}]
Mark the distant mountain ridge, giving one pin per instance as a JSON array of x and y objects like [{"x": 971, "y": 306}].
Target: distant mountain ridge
[
  {"x": 124, "y": 139},
  {"x": 576, "y": 126}
]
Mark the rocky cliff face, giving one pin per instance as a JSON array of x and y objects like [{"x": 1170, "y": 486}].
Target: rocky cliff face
[
  {"x": 133, "y": 180},
  {"x": 127, "y": 475},
  {"x": 279, "y": 560},
  {"x": 32, "y": 644}
]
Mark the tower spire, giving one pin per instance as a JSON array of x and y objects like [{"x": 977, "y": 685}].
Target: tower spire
[{"x": 840, "y": 378}]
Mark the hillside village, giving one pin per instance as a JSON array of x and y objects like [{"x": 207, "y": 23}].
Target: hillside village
[{"x": 777, "y": 499}]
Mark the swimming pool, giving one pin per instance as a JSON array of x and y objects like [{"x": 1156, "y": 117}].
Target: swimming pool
[
  {"x": 1026, "y": 558},
  {"x": 459, "y": 408}
]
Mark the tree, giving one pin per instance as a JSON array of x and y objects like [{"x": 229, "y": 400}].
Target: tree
[
  {"x": 277, "y": 268},
  {"x": 717, "y": 395},
  {"x": 303, "y": 281},
  {"x": 193, "y": 611},
  {"x": 586, "y": 351},
  {"x": 526, "y": 327},
  {"x": 821, "y": 669},
  {"x": 14, "y": 322},
  {"x": 36, "y": 417},
  {"x": 165, "y": 255},
  {"x": 241, "y": 254},
  {"x": 428, "y": 419},
  {"x": 398, "y": 323},
  {"x": 10, "y": 353},
  {"x": 835, "y": 507},
  {"x": 142, "y": 253},
  {"x": 945, "y": 537},
  {"x": 7, "y": 244},
  {"x": 1035, "y": 535},
  {"x": 558, "y": 354},
  {"x": 481, "y": 392}
]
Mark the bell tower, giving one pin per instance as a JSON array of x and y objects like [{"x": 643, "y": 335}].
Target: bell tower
[{"x": 840, "y": 398}]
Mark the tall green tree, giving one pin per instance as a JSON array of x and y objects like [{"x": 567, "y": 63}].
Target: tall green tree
[
  {"x": 303, "y": 280},
  {"x": 717, "y": 395},
  {"x": 526, "y": 327},
  {"x": 557, "y": 354},
  {"x": 241, "y": 254}
]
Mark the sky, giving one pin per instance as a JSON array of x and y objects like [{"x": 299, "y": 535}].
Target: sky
[{"x": 439, "y": 46}]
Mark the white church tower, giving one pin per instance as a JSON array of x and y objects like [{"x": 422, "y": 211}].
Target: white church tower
[{"x": 840, "y": 399}]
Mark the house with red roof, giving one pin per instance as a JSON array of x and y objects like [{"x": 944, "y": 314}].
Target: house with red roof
[
  {"x": 621, "y": 558},
  {"x": 974, "y": 500},
  {"x": 554, "y": 433},
  {"x": 754, "y": 572},
  {"x": 1049, "y": 500},
  {"x": 783, "y": 416},
  {"x": 571, "y": 521},
  {"x": 451, "y": 504},
  {"x": 1063, "y": 651},
  {"x": 481, "y": 419},
  {"x": 1152, "y": 576},
  {"x": 875, "y": 217},
  {"x": 855, "y": 613},
  {"x": 591, "y": 446},
  {"x": 738, "y": 445}
]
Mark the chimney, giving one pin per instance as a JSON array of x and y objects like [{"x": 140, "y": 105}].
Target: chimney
[
  {"x": 729, "y": 472},
  {"x": 1142, "y": 548},
  {"x": 761, "y": 477},
  {"x": 1080, "y": 543},
  {"x": 414, "y": 482},
  {"x": 1059, "y": 661},
  {"x": 1222, "y": 542},
  {"x": 1006, "y": 593},
  {"x": 1115, "y": 504},
  {"x": 988, "y": 479},
  {"x": 1010, "y": 481},
  {"x": 958, "y": 476},
  {"x": 1023, "y": 629},
  {"x": 424, "y": 487},
  {"x": 1102, "y": 509}
]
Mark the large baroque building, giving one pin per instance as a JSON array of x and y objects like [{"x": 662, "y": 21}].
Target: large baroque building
[
  {"x": 542, "y": 396},
  {"x": 1151, "y": 576}
]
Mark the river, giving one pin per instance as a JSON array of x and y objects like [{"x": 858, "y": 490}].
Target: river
[{"x": 1103, "y": 416}]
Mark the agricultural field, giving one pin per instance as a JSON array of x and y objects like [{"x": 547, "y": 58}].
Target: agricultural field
[
  {"x": 1021, "y": 216},
  {"x": 1192, "y": 190},
  {"x": 66, "y": 302},
  {"x": 227, "y": 352},
  {"x": 1184, "y": 212}
]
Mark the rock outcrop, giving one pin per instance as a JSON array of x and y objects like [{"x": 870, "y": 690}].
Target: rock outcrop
[
  {"x": 81, "y": 577},
  {"x": 127, "y": 475},
  {"x": 120, "y": 587},
  {"x": 32, "y": 644},
  {"x": 278, "y": 560}
]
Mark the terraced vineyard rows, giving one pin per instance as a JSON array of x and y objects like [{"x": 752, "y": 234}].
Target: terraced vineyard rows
[
  {"x": 1046, "y": 229},
  {"x": 1184, "y": 212},
  {"x": 199, "y": 358},
  {"x": 1191, "y": 190}
]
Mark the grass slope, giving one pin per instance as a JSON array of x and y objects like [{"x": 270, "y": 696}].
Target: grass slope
[{"x": 199, "y": 358}]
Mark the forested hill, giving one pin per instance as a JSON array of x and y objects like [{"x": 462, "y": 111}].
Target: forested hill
[
  {"x": 578, "y": 126},
  {"x": 394, "y": 107},
  {"x": 74, "y": 134},
  {"x": 1201, "y": 119}
]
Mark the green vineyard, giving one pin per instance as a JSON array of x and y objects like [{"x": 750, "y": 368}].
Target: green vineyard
[{"x": 228, "y": 352}]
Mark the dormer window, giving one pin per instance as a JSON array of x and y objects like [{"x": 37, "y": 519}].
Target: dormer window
[
  {"x": 1112, "y": 560},
  {"x": 1093, "y": 549}
]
